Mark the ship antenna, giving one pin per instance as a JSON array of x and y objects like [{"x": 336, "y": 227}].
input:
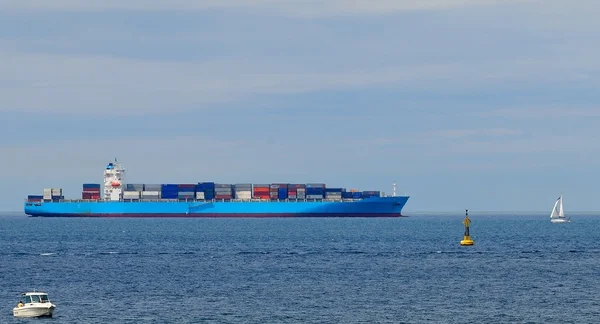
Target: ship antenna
[{"x": 394, "y": 191}]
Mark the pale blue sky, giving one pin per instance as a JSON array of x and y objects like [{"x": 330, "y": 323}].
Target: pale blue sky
[{"x": 479, "y": 104}]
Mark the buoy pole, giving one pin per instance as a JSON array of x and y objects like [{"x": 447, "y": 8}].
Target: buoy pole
[{"x": 467, "y": 237}]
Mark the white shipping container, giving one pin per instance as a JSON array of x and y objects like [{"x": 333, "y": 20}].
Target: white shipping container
[
  {"x": 314, "y": 197},
  {"x": 47, "y": 190},
  {"x": 243, "y": 195},
  {"x": 199, "y": 195},
  {"x": 131, "y": 194},
  {"x": 151, "y": 193}
]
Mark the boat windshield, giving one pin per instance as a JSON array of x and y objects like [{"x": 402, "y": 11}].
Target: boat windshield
[
  {"x": 27, "y": 299},
  {"x": 39, "y": 298}
]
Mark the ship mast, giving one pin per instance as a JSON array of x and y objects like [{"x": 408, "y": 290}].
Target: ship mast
[{"x": 394, "y": 190}]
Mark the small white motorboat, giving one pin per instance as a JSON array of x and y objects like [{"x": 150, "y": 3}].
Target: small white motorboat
[{"x": 34, "y": 304}]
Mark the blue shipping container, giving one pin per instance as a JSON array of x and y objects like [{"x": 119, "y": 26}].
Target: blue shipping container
[
  {"x": 347, "y": 195},
  {"x": 356, "y": 195},
  {"x": 333, "y": 190},
  {"x": 282, "y": 193},
  {"x": 314, "y": 191},
  {"x": 91, "y": 185}
]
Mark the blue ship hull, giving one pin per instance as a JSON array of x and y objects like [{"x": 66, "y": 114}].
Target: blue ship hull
[{"x": 368, "y": 207}]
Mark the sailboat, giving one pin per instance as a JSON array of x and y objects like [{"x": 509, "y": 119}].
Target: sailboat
[{"x": 558, "y": 213}]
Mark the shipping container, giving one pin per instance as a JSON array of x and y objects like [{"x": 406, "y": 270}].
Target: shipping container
[
  {"x": 261, "y": 185},
  {"x": 200, "y": 195},
  {"x": 315, "y": 191},
  {"x": 209, "y": 195},
  {"x": 315, "y": 185},
  {"x": 282, "y": 193},
  {"x": 134, "y": 187},
  {"x": 333, "y": 195},
  {"x": 347, "y": 195},
  {"x": 222, "y": 196},
  {"x": 242, "y": 185},
  {"x": 243, "y": 195},
  {"x": 334, "y": 190},
  {"x": 314, "y": 196},
  {"x": 205, "y": 185},
  {"x": 369, "y": 194},
  {"x": 131, "y": 194},
  {"x": 222, "y": 185},
  {"x": 299, "y": 185},
  {"x": 186, "y": 185},
  {"x": 152, "y": 187},
  {"x": 91, "y": 185}
]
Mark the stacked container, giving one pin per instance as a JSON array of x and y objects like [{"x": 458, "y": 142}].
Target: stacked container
[
  {"x": 301, "y": 192},
  {"x": 243, "y": 191},
  {"x": 315, "y": 190},
  {"x": 278, "y": 191},
  {"x": 91, "y": 191},
  {"x": 223, "y": 191},
  {"x": 369, "y": 194},
  {"x": 133, "y": 191},
  {"x": 261, "y": 191},
  {"x": 134, "y": 187},
  {"x": 334, "y": 193},
  {"x": 186, "y": 191},
  {"x": 151, "y": 191},
  {"x": 35, "y": 198},
  {"x": 131, "y": 195},
  {"x": 169, "y": 191},
  {"x": 205, "y": 190},
  {"x": 199, "y": 191},
  {"x": 296, "y": 191},
  {"x": 54, "y": 194},
  {"x": 47, "y": 194}
]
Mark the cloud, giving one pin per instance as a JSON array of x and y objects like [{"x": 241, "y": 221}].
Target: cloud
[
  {"x": 551, "y": 111},
  {"x": 93, "y": 84},
  {"x": 306, "y": 8}
]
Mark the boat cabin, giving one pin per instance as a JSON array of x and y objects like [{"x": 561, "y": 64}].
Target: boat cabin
[{"x": 35, "y": 297}]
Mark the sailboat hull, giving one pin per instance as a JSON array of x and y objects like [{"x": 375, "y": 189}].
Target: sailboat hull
[{"x": 560, "y": 220}]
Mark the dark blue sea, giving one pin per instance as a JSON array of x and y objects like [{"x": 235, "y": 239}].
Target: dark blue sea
[{"x": 522, "y": 269}]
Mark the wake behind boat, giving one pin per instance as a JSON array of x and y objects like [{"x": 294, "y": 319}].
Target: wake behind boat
[
  {"x": 558, "y": 214},
  {"x": 34, "y": 304}
]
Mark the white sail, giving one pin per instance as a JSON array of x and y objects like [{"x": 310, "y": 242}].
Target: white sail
[{"x": 558, "y": 213}]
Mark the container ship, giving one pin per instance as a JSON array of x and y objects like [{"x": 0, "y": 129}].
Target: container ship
[{"x": 116, "y": 198}]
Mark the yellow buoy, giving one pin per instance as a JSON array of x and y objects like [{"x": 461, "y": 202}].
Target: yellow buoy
[{"x": 467, "y": 238}]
